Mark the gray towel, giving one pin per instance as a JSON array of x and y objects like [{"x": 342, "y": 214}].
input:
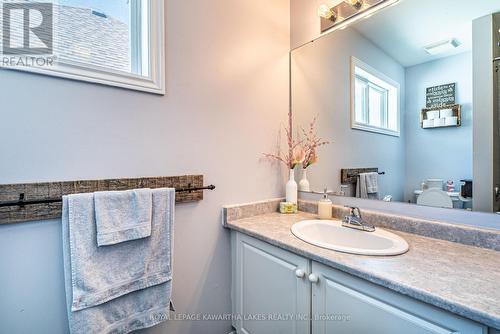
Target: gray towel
[
  {"x": 122, "y": 215},
  {"x": 106, "y": 286},
  {"x": 371, "y": 180},
  {"x": 367, "y": 185}
]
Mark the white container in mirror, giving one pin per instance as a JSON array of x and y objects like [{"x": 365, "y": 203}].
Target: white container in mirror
[
  {"x": 433, "y": 114},
  {"x": 304, "y": 182},
  {"x": 439, "y": 122},
  {"x": 450, "y": 121},
  {"x": 325, "y": 207},
  {"x": 435, "y": 183},
  {"x": 291, "y": 188},
  {"x": 446, "y": 113},
  {"x": 428, "y": 123}
]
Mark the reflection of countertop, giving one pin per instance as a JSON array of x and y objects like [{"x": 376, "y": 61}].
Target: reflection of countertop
[{"x": 461, "y": 279}]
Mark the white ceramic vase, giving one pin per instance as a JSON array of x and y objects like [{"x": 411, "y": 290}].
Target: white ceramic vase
[
  {"x": 291, "y": 188},
  {"x": 304, "y": 182}
]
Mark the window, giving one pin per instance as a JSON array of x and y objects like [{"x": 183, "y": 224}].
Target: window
[
  {"x": 112, "y": 42},
  {"x": 375, "y": 100}
]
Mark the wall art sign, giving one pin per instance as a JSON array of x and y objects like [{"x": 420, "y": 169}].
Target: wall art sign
[{"x": 440, "y": 95}]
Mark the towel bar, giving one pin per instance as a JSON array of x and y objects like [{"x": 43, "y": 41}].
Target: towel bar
[
  {"x": 22, "y": 202},
  {"x": 357, "y": 174},
  {"x": 350, "y": 175}
]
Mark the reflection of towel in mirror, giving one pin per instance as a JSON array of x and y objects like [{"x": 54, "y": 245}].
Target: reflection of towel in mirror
[{"x": 367, "y": 185}]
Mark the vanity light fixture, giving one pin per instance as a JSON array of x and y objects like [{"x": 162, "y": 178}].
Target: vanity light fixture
[
  {"x": 355, "y": 3},
  {"x": 324, "y": 11},
  {"x": 442, "y": 46},
  {"x": 349, "y": 11}
]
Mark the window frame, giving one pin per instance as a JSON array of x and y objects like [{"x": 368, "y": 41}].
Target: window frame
[
  {"x": 153, "y": 83},
  {"x": 363, "y": 126}
]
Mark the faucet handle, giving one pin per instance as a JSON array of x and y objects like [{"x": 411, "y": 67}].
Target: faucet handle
[{"x": 355, "y": 211}]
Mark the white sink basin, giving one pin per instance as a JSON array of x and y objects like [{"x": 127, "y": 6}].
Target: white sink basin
[{"x": 332, "y": 235}]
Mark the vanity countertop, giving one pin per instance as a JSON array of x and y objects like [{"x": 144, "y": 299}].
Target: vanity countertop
[{"x": 462, "y": 279}]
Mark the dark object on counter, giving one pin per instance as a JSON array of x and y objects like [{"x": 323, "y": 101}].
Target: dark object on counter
[{"x": 466, "y": 190}]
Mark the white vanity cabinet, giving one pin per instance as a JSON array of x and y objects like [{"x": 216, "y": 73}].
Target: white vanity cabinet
[
  {"x": 270, "y": 284},
  {"x": 357, "y": 306}
]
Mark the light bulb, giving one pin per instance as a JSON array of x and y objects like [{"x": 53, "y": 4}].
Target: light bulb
[
  {"x": 325, "y": 11},
  {"x": 355, "y": 3}
]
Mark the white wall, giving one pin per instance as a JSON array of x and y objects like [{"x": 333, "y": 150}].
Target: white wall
[
  {"x": 321, "y": 86},
  {"x": 227, "y": 80},
  {"x": 485, "y": 120},
  {"x": 444, "y": 153}
]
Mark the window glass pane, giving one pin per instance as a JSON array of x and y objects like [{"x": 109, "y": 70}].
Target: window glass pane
[
  {"x": 374, "y": 107},
  {"x": 392, "y": 106},
  {"x": 359, "y": 101},
  {"x": 93, "y": 32},
  {"x": 110, "y": 34}
]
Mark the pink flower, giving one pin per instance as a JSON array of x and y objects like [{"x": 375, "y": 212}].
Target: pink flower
[
  {"x": 298, "y": 156},
  {"x": 300, "y": 151},
  {"x": 311, "y": 144},
  {"x": 313, "y": 158}
]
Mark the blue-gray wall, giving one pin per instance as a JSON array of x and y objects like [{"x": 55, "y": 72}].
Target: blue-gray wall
[
  {"x": 227, "y": 80},
  {"x": 444, "y": 153}
]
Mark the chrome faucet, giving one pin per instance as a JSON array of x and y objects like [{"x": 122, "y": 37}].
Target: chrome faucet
[{"x": 355, "y": 221}]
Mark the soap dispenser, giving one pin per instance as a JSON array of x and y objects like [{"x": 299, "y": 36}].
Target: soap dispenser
[{"x": 325, "y": 207}]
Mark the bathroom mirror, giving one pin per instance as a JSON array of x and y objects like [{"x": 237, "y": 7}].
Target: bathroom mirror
[{"x": 409, "y": 99}]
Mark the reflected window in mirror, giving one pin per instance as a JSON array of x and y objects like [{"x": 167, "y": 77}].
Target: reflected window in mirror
[{"x": 375, "y": 100}]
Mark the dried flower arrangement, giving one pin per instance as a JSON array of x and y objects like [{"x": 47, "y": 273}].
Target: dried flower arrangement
[
  {"x": 301, "y": 151},
  {"x": 311, "y": 144}
]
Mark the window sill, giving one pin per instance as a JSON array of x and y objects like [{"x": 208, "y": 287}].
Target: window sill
[
  {"x": 103, "y": 77},
  {"x": 374, "y": 129}
]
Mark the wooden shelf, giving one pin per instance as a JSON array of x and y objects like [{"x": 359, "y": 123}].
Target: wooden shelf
[
  {"x": 46, "y": 190},
  {"x": 457, "y": 112}
]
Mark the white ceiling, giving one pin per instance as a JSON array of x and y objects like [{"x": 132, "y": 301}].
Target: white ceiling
[{"x": 404, "y": 29}]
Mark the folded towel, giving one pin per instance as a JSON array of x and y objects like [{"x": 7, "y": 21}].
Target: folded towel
[
  {"x": 367, "y": 185},
  {"x": 122, "y": 215},
  {"x": 371, "y": 180},
  {"x": 106, "y": 286}
]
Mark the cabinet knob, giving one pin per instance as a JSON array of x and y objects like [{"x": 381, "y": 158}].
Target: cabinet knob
[
  {"x": 300, "y": 273},
  {"x": 313, "y": 278}
]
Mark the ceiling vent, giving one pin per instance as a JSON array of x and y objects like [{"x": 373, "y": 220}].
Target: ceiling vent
[{"x": 442, "y": 47}]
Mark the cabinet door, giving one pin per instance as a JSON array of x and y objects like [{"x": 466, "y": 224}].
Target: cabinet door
[
  {"x": 343, "y": 304},
  {"x": 268, "y": 297}
]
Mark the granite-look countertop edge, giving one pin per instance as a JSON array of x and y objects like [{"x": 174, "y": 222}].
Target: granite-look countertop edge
[
  {"x": 454, "y": 306},
  {"x": 246, "y": 210}
]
